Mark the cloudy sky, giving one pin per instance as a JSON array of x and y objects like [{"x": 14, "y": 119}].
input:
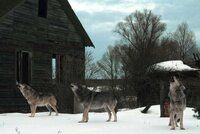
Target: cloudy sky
[{"x": 99, "y": 17}]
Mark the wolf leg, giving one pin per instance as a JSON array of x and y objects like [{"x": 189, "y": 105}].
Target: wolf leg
[
  {"x": 109, "y": 113},
  {"x": 49, "y": 108},
  {"x": 181, "y": 121},
  {"x": 54, "y": 108},
  {"x": 172, "y": 121},
  {"x": 31, "y": 107},
  {"x": 85, "y": 115},
  {"x": 32, "y": 110},
  {"x": 112, "y": 109}
]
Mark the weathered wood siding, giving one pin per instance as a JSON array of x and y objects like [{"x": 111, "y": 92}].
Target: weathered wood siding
[{"x": 22, "y": 29}]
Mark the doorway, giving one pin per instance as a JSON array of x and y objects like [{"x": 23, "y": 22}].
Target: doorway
[{"x": 23, "y": 68}]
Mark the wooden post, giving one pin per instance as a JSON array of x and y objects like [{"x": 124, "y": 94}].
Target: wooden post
[{"x": 164, "y": 88}]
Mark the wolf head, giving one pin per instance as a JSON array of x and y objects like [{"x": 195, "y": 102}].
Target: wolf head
[
  {"x": 21, "y": 87},
  {"x": 80, "y": 91},
  {"x": 74, "y": 87},
  {"x": 176, "y": 85}
]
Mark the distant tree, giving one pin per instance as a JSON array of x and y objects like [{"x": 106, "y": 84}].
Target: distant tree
[
  {"x": 91, "y": 68},
  {"x": 141, "y": 33},
  {"x": 110, "y": 65},
  {"x": 185, "y": 38},
  {"x": 121, "y": 54},
  {"x": 169, "y": 49}
]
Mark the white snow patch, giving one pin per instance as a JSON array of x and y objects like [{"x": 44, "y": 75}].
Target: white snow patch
[
  {"x": 175, "y": 65},
  {"x": 129, "y": 122}
]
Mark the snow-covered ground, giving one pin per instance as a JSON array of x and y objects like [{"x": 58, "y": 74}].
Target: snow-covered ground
[{"x": 129, "y": 122}]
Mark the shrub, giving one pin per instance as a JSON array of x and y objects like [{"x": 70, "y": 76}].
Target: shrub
[{"x": 197, "y": 112}]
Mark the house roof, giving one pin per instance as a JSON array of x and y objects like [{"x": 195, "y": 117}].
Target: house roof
[
  {"x": 72, "y": 16},
  {"x": 173, "y": 67},
  {"x": 8, "y": 5}
]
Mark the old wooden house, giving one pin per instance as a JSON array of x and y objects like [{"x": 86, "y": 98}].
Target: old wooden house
[{"x": 42, "y": 43}]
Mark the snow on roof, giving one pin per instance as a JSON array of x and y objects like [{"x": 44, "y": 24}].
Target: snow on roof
[{"x": 172, "y": 66}]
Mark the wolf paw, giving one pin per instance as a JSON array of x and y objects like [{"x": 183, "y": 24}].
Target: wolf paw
[
  {"x": 115, "y": 121},
  {"x": 182, "y": 128},
  {"x": 82, "y": 122},
  {"x": 173, "y": 128}
]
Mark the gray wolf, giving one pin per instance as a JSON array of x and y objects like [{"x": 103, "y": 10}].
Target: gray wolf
[
  {"x": 37, "y": 99},
  {"x": 95, "y": 100},
  {"x": 177, "y": 103}
]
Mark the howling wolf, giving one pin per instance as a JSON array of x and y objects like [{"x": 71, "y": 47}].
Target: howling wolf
[
  {"x": 36, "y": 99},
  {"x": 177, "y": 103},
  {"x": 95, "y": 100}
]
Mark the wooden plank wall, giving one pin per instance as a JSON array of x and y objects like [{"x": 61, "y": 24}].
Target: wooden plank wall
[{"x": 22, "y": 29}]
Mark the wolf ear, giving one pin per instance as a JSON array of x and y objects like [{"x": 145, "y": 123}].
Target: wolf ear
[{"x": 17, "y": 83}]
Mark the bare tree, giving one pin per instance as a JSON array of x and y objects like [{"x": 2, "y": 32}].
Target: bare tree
[
  {"x": 110, "y": 65},
  {"x": 91, "y": 68},
  {"x": 185, "y": 39},
  {"x": 141, "y": 33},
  {"x": 169, "y": 49}
]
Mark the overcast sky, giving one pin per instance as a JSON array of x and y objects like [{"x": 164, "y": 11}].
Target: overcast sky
[{"x": 99, "y": 17}]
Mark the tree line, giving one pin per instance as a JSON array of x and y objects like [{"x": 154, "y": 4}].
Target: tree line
[{"x": 142, "y": 42}]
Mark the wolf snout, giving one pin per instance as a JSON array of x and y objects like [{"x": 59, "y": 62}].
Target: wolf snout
[
  {"x": 18, "y": 85},
  {"x": 72, "y": 85}
]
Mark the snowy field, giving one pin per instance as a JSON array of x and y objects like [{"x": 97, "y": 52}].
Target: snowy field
[{"x": 129, "y": 122}]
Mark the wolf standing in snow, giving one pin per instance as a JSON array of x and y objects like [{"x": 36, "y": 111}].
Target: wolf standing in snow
[
  {"x": 95, "y": 100},
  {"x": 177, "y": 103},
  {"x": 36, "y": 99}
]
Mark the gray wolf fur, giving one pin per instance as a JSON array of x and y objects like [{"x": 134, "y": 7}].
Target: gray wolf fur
[
  {"x": 177, "y": 103},
  {"x": 36, "y": 99},
  {"x": 95, "y": 100}
]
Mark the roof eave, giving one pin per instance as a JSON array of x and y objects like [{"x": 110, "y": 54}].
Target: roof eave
[{"x": 72, "y": 16}]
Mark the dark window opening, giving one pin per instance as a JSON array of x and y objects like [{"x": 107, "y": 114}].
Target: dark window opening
[
  {"x": 57, "y": 68},
  {"x": 18, "y": 70},
  {"x": 42, "y": 8},
  {"x": 23, "y": 72},
  {"x": 54, "y": 68}
]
